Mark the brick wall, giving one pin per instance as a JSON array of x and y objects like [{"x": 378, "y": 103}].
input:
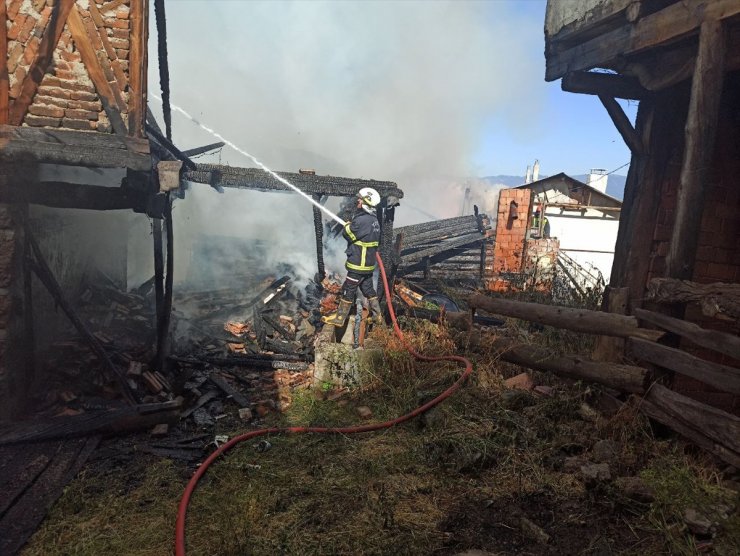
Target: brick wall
[
  {"x": 718, "y": 253},
  {"x": 66, "y": 97},
  {"x": 508, "y": 252}
]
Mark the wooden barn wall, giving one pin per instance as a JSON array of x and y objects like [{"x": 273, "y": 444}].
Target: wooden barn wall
[{"x": 718, "y": 253}]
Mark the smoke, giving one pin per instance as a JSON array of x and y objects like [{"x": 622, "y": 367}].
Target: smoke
[{"x": 400, "y": 91}]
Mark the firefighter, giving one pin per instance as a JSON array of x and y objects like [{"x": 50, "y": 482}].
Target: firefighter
[{"x": 362, "y": 233}]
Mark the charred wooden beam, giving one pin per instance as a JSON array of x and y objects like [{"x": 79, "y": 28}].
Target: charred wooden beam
[
  {"x": 607, "y": 84},
  {"x": 710, "y": 428},
  {"x": 204, "y": 149},
  {"x": 177, "y": 153},
  {"x": 257, "y": 179},
  {"x": 72, "y": 195},
  {"x": 716, "y": 300},
  {"x": 722, "y": 377},
  {"x": 318, "y": 226},
  {"x": 44, "y": 273},
  {"x": 76, "y": 148},
  {"x": 623, "y": 125},
  {"x": 111, "y": 421},
  {"x": 447, "y": 245},
  {"x": 434, "y": 225},
  {"x": 625, "y": 378},
  {"x": 578, "y": 320},
  {"x": 701, "y": 129},
  {"x": 229, "y": 390},
  {"x": 718, "y": 341}
]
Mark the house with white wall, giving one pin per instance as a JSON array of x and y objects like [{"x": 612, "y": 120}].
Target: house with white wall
[{"x": 581, "y": 216}]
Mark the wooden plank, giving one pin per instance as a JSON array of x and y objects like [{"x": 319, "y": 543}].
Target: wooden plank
[
  {"x": 722, "y": 377},
  {"x": 4, "y": 78},
  {"x": 710, "y": 428},
  {"x": 623, "y": 125},
  {"x": 37, "y": 69},
  {"x": 721, "y": 342},
  {"x": 115, "y": 63},
  {"x": 109, "y": 421},
  {"x": 625, "y": 378},
  {"x": 229, "y": 390},
  {"x": 675, "y": 22},
  {"x": 95, "y": 70},
  {"x": 716, "y": 300},
  {"x": 701, "y": 129},
  {"x": 607, "y": 84},
  {"x": 137, "y": 69},
  {"x": 579, "y": 320},
  {"x": 607, "y": 348},
  {"x": 78, "y": 148}
]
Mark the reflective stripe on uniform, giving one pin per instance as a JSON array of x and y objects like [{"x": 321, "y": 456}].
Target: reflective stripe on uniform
[
  {"x": 366, "y": 243},
  {"x": 359, "y": 268},
  {"x": 351, "y": 235}
]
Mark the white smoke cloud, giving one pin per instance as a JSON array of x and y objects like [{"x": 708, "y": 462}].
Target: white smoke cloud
[{"x": 384, "y": 90}]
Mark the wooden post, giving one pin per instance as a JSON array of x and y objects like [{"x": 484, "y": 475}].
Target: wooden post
[
  {"x": 4, "y": 78},
  {"x": 318, "y": 225},
  {"x": 163, "y": 332},
  {"x": 137, "y": 68},
  {"x": 158, "y": 276},
  {"x": 607, "y": 348},
  {"x": 701, "y": 127}
]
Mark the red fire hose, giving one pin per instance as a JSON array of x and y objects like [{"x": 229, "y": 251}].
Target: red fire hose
[{"x": 183, "y": 508}]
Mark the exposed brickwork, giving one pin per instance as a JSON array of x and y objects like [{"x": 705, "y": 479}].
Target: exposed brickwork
[
  {"x": 718, "y": 252},
  {"x": 511, "y": 232},
  {"x": 27, "y": 22}
]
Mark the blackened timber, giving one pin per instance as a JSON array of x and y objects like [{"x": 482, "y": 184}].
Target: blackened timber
[
  {"x": 623, "y": 125},
  {"x": 229, "y": 390},
  {"x": 318, "y": 225},
  {"x": 253, "y": 178},
  {"x": 158, "y": 277},
  {"x": 412, "y": 240},
  {"x": 609, "y": 84},
  {"x": 44, "y": 273},
  {"x": 434, "y": 225},
  {"x": 177, "y": 153},
  {"x": 77, "y": 148},
  {"x": 204, "y": 149},
  {"x": 444, "y": 246},
  {"x": 71, "y": 195},
  {"x": 701, "y": 127}
]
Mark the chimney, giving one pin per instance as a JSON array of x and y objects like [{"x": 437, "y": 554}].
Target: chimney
[
  {"x": 597, "y": 178},
  {"x": 536, "y": 170},
  {"x": 528, "y": 177}
]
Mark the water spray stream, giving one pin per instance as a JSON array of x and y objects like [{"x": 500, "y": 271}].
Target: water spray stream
[{"x": 282, "y": 180}]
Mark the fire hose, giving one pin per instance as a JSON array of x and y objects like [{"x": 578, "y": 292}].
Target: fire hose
[{"x": 190, "y": 488}]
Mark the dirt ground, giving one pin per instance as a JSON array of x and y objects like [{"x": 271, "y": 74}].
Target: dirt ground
[{"x": 494, "y": 469}]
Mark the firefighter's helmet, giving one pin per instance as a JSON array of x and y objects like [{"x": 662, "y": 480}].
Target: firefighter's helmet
[{"x": 370, "y": 199}]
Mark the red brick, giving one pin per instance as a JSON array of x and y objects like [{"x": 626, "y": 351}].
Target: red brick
[
  {"x": 43, "y": 99},
  {"x": 117, "y": 23},
  {"x": 17, "y": 26},
  {"x": 28, "y": 26},
  {"x": 20, "y": 74},
  {"x": 77, "y": 114},
  {"x": 41, "y": 121},
  {"x": 41, "y": 26},
  {"x": 92, "y": 32},
  {"x": 70, "y": 56},
  {"x": 78, "y": 124},
  {"x": 124, "y": 65},
  {"x": 120, "y": 43},
  {"x": 65, "y": 74},
  {"x": 122, "y": 54},
  {"x": 120, "y": 33},
  {"x": 84, "y": 95},
  {"x": 85, "y": 105},
  {"x": 76, "y": 86},
  {"x": 48, "y": 111},
  {"x": 52, "y": 91},
  {"x": 13, "y": 8},
  {"x": 122, "y": 12},
  {"x": 32, "y": 49},
  {"x": 14, "y": 56}
]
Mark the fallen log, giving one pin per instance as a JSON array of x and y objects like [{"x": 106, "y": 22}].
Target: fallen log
[
  {"x": 712, "y": 429},
  {"x": 625, "y": 378},
  {"x": 720, "y": 376},
  {"x": 717, "y": 300},
  {"x": 578, "y": 320},
  {"x": 111, "y": 421},
  {"x": 229, "y": 390},
  {"x": 721, "y": 342}
]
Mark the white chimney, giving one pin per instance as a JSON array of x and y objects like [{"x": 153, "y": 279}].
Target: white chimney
[
  {"x": 597, "y": 179},
  {"x": 536, "y": 170},
  {"x": 528, "y": 177}
]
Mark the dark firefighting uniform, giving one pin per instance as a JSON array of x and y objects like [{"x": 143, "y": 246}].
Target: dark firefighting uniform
[{"x": 363, "y": 235}]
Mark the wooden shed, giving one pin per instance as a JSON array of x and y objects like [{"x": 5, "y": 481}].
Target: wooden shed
[{"x": 677, "y": 256}]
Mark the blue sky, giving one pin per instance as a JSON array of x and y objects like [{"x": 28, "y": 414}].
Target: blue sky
[{"x": 388, "y": 90}]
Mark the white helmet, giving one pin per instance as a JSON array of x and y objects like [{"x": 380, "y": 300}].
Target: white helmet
[{"x": 370, "y": 199}]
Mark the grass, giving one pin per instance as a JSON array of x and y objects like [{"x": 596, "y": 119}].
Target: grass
[{"x": 457, "y": 478}]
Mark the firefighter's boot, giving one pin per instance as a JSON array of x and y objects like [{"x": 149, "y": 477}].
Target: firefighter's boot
[
  {"x": 337, "y": 319},
  {"x": 376, "y": 315}
]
